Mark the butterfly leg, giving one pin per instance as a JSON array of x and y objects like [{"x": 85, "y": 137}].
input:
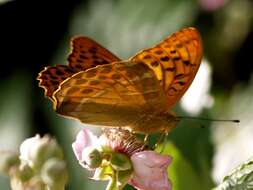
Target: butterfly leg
[
  {"x": 145, "y": 141},
  {"x": 162, "y": 140},
  {"x": 146, "y": 138}
]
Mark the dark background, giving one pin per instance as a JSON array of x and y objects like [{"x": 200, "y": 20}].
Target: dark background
[{"x": 35, "y": 34}]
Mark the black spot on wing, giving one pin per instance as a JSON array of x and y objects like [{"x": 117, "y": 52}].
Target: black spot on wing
[{"x": 165, "y": 58}]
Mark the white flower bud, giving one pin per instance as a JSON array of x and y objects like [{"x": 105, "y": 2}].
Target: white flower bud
[
  {"x": 26, "y": 149},
  {"x": 25, "y": 172},
  {"x": 36, "y": 150},
  {"x": 35, "y": 183},
  {"x": 54, "y": 173}
]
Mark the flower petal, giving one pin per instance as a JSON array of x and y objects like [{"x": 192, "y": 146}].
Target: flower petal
[{"x": 146, "y": 164}]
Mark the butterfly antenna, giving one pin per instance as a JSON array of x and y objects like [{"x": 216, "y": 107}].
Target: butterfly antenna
[{"x": 208, "y": 119}]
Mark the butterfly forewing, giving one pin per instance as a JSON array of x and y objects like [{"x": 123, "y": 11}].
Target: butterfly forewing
[
  {"x": 85, "y": 54},
  {"x": 175, "y": 62},
  {"x": 111, "y": 95}
]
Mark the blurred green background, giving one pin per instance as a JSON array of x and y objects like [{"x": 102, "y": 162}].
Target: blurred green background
[{"x": 35, "y": 34}]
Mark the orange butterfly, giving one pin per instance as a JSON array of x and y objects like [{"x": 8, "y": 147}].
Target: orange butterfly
[{"x": 98, "y": 88}]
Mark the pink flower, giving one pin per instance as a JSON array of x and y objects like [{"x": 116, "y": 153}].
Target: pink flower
[
  {"x": 150, "y": 171},
  {"x": 84, "y": 140}
]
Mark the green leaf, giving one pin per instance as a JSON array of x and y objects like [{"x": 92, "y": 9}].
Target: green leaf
[
  {"x": 180, "y": 172},
  {"x": 239, "y": 178}
]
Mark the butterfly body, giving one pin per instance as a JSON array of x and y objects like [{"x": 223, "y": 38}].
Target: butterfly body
[
  {"x": 136, "y": 94},
  {"x": 105, "y": 116},
  {"x": 154, "y": 123}
]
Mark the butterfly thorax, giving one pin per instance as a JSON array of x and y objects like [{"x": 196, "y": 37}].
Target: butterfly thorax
[{"x": 154, "y": 123}]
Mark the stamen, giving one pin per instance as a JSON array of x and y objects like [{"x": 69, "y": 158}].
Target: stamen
[{"x": 123, "y": 140}]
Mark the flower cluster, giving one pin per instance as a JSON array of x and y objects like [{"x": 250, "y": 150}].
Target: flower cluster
[
  {"x": 40, "y": 165},
  {"x": 118, "y": 156}
]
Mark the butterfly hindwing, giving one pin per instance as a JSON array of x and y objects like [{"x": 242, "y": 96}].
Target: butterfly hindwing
[
  {"x": 85, "y": 54},
  {"x": 112, "y": 95},
  {"x": 175, "y": 62},
  {"x": 51, "y": 77}
]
